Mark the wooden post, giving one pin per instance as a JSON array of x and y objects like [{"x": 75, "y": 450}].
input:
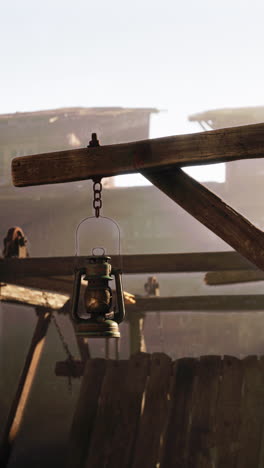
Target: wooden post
[
  {"x": 16, "y": 412},
  {"x": 83, "y": 347},
  {"x": 136, "y": 335}
]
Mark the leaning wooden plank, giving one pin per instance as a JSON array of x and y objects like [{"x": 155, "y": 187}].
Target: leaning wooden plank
[
  {"x": 225, "y": 442},
  {"x": 252, "y": 410},
  {"x": 118, "y": 413},
  {"x": 175, "y": 448},
  {"x": 85, "y": 414},
  {"x": 26, "y": 296},
  {"x": 13, "y": 268},
  {"x": 202, "y": 413},
  {"x": 217, "y": 303},
  {"x": 226, "y": 144},
  {"x": 16, "y": 413},
  {"x": 211, "y": 211},
  {"x": 216, "y": 278},
  {"x": 154, "y": 413}
]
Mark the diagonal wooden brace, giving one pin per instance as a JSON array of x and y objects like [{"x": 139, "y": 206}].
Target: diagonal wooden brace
[
  {"x": 212, "y": 212},
  {"x": 16, "y": 412}
]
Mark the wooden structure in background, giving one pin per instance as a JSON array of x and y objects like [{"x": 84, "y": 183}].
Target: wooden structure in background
[
  {"x": 25, "y": 271},
  {"x": 159, "y": 160},
  {"x": 233, "y": 276},
  {"x": 150, "y": 411},
  {"x": 193, "y": 407}
]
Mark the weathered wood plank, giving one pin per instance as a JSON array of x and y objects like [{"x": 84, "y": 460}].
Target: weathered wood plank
[
  {"x": 85, "y": 413},
  {"x": 118, "y": 413},
  {"x": 11, "y": 269},
  {"x": 155, "y": 413},
  {"x": 200, "y": 453},
  {"x": 252, "y": 411},
  {"x": 226, "y": 144},
  {"x": 236, "y": 303},
  {"x": 211, "y": 211},
  {"x": 26, "y": 296},
  {"x": 217, "y": 303},
  {"x": 178, "y": 430},
  {"x": 216, "y": 278},
  {"x": 228, "y": 414},
  {"x": 61, "y": 285}
]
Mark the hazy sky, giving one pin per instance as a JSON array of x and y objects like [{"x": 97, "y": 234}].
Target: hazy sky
[{"x": 184, "y": 57}]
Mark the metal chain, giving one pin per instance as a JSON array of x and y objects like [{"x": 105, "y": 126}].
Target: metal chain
[
  {"x": 70, "y": 357},
  {"x": 97, "y": 201}
]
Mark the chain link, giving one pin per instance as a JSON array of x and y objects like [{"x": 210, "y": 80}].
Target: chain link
[
  {"x": 97, "y": 201},
  {"x": 70, "y": 357}
]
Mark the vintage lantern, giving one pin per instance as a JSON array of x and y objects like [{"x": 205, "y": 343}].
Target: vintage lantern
[
  {"x": 101, "y": 314},
  {"x": 100, "y": 319}
]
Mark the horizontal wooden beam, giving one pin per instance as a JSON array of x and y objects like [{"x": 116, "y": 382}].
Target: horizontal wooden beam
[
  {"x": 226, "y": 144},
  {"x": 13, "y": 269},
  {"x": 60, "y": 285},
  {"x": 235, "y": 303},
  {"x": 29, "y": 297},
  {"x": 216, "y": 278},
  {"x": 212, "y": 212}
]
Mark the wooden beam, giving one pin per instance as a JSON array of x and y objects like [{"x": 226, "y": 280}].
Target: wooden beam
[
  {"x": 31, "y": 297},
  {"x": 61, "y": 285},
  {"x": 226, "y": 144},
  {"x": 35, "y": 269},
  {"x": 216, "y": 278},
  {"x": 212, "y": 303},
  {"x": 42, "y": 299},
  {"x": 211, "y": 211}
]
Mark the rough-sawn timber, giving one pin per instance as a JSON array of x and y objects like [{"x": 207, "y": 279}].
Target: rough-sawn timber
[
  {"x": 12, "y": 269},
  {"x": 228, "y": 144}
]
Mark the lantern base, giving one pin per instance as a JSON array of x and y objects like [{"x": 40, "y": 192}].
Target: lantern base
[{"x": 93, "y": 329}]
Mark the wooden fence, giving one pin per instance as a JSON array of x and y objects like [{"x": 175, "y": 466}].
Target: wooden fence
[{"x": 150, "y": 412}]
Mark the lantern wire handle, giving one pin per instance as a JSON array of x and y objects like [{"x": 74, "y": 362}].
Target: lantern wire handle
[{"x": 77, "y": 243}]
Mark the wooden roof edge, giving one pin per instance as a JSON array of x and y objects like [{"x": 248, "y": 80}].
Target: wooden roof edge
[{"x": 82, "y": 111}]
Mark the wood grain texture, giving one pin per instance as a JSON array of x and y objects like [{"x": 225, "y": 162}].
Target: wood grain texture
[
  {"x": 216, "y": 278},
  {"x": 217, "y": 303},
  {"x": 85, "y": 413},
  {"x": 155, "y": 412},
  {"x": 200, "y": 453},
  {"x": 11, "y": 269},
  {"x": 211, "y": 408},
  {"x": 212, "y": 212},
  {"x": 235, "y": 303},
  {"x": 252, "y": 410},
  {"x": 226, "y": 144},
  {"x": 228, "y": 413},
  {"x": 26, "y": 296},
  {"x": 118, "y": 415},
  {"x": 175, "y": 448}
]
